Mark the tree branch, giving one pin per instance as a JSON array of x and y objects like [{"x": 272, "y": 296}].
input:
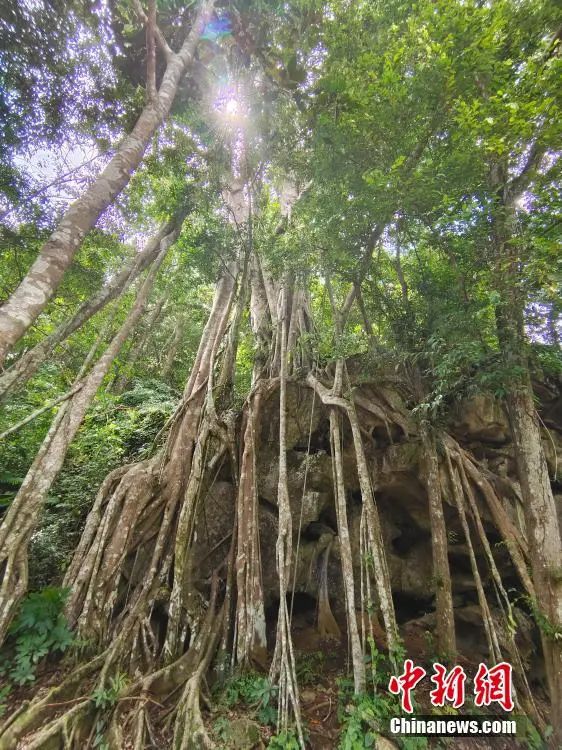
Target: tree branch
[
  {"x": 151, "y": 51},
  {"x": 167, "y": 51},
  {"x": 38, "y": 412}
]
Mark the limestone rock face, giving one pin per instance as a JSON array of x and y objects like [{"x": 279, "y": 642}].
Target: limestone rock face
[
  {"x": 481, "y": 419},
  {"x": 393, "y": 453}
]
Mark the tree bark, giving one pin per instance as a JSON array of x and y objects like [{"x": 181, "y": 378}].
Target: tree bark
[
  {"x": 174, "y": 347},
  {"x": 445, "y": 619},
  {"x": 138, "y": 346},
  {"x": 346, "y": 556},
  {"x": 543, "y": 535},
  {"x": 251, "y": 644},
  {"x": 56, "y": 255},
  {"x": 283, "y": 662},
  {"x": 27, "y": 365},
  {"x": 541, "y": 519},
  {"x": 19, "y": 522}
]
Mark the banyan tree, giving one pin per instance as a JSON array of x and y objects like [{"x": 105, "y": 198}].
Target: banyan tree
[{"x": 360, "y": 424}]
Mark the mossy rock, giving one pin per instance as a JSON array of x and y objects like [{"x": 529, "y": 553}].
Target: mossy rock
[{"x": 242, "y": 734}]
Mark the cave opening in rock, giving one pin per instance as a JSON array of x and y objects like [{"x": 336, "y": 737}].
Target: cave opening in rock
[
  {"x": 319, "y": 441},
  {"x": 385, "y": 435},
  {"x": 326, "y": 524},
  {"x": 410, "y": 607},
  {"x": 304, "y": 607}
]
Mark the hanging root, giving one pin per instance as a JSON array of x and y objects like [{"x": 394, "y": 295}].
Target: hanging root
[
  {"x": 464, "y": 497},
  {"x": 346, "y": 556},
  {"x": 489, "y": 627},
  {"x": 515, "y": 543},
  {"x": 445, "y": 621},
  {"x": 375, "y": 552},
  {"x": 283, "y": 663},
  {"x": 327, "y": 625},
  {"x": 251, "y": 646}
]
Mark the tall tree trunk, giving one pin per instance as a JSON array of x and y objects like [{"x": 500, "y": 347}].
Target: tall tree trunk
[
  {"x": 372, "y": 523},
  {"x": 283, "y": 662},
  {"x": 346, "y": 556},
  {"x": 20, "y": 520},
  {"x": 138, "y": 346},
  {"x": 543, "y": 535},
  {"x": 27, "y": 365},
  {"x": 56, "y": 255},
  {"x": 541, "y": 518},
  {"x": 251, "y": 644},
  {"x": 174, "y": 347},
  {"x": 445, "y": 619}
]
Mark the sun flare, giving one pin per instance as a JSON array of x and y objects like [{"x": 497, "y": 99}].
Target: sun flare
[{"x": 232, "y": 107}]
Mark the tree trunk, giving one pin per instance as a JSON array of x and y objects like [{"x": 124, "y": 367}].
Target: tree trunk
[
  {"x": 138, "y": 347},
  {"x": 283, "y": 662},
  {"x": 19, "y": 522},
  {"x": 445, "y": 619},
  {"x": 344, "y": 540},
  {"x": 541, "y": 519},
  {"x": 251, "y": 644},
  {"x": 27, "y": 365},
  {"x": 543, "y": 535},
  {"x": 174, "y": 347},
  {"x": 56, "y": 255}
]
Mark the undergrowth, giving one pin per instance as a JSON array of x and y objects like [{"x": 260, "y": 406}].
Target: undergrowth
[{"x": 39, "y": 629}]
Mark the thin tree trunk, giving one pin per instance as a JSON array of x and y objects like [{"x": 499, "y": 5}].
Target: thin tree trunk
[
  {"x": 445, "y": 619},
  {"x": 56, "y": 255},
  {"x": 260, "y": 319},
  {"x": 283, "y": 662},
  {"x": 372, "y": 521},
  {"x": 174, "y": 347},
  {"x": 346, "y": 556},
  {"x": 27, "y": 365},
  {"x": 138, "y": 347},
  {"x": 359, "y": 678},
  {"x": 251, "y": 644},
  {"x": 494, "y": 652},
  {"x": 20, "y": 520}
]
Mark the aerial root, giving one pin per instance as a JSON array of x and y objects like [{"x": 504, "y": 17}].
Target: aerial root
[
  {"x": 189, "y": 729},
  {"x": 66, "y": 730},
  {"x": 43, "y": 708}
]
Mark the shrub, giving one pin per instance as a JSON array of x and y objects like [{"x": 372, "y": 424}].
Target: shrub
[{"x": 39, "y": 629}]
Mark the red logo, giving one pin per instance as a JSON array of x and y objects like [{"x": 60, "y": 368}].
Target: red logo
[
  {"x": 449, "y": 686},
  {"x": 491, "y": 685},
  {"x": 406, "y": 682},
  {"x": 494, "y": 686}
]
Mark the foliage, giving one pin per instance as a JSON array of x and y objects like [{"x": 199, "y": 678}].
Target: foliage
[
  {"x": 365, "y": 716},
  {"x": 284, "y": 741},
  {"x": 105, "y": 698},
  {"x": 220, "y": 728},
  {"x": 533, "y": 739},
  {"x": 40, "y": 629},
  {"x": 254, "y": 691},
  {"x": 548, "y": 628},
  {"x": 309, "y": 667},
  {"x": 118, "y": 429}
]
